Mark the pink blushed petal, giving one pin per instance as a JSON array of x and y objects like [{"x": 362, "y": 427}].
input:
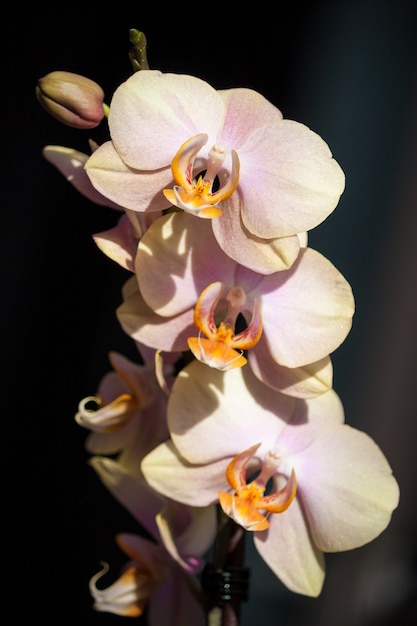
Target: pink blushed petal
[
  {"x": 172, "y": 476},
  {"x": 138, "y": 378},
  {"x": 310, "y": 327},
  {"x": 246, "y": 110},
  {"x": 152, "y": 114},
  {"x": 169, "y": 543},
  {"x": 145, "y": 553},
  {"x": 306, "y": 381},
  {"x": 131, "y": 189},
  {"x": 310, "y": 418},
  {"x": 289, "y": 180},
  {"x": 260, "y": 255},
  {"x": 347, "y": 487},
  {"x": 289, "y": 550},
  {"x": 197, "y": 538},
  {"x": 137, "y": 319},
  {"x": 180, "y": 254},
  {"x": 119, "y": 243},
  {"x": 208, "y": 405},
  {"x": 187, "y": 546}
]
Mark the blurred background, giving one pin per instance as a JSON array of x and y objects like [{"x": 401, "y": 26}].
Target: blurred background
[{"x": 345, "y": 69}]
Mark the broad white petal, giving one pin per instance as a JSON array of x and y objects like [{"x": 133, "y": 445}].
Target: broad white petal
[
  {"x": 289, "y": 181},
  {"x": 180, "y": 254},
  {"x": 246, "y": 110},
  {"x": 228, "y": 411},
  {"x": 288, "y": 548},
  {"x": 172, "y": 476},
  {"x": 347, "y": 487},
  {"x": 263, "y": 255},
  {"x": 307, "y": 311},
  {"x": 144, "y": 326},
  {"x": 131, "y": 189},
  {"x": 306, "y": 381},
  {"x": 152, "y": 114}
]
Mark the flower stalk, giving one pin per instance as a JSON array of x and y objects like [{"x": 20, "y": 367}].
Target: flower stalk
[
  {"x": 226, "y": 581},
  {"x": 137, "y": 53}
]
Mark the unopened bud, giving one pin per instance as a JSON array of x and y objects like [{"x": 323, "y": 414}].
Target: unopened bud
[{"x": 72, "y": 99}]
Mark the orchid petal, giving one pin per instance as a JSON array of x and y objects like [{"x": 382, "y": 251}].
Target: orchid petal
[
  {"x": 106, "y": 419},
  {"x": 234, "y": 401},
  {"x": 305, "y": 381},
  {"x": 172, "y": 476},
  {"x": 265, "y": 256},
  {"x": 188, "y": 248},
  {"x": 143, "y": 325},
  {"x": 154, "y": 109},
  {"x": 289, "y": 180},
  {"x": 125, "y": 597},
  {"x": 288, "y": 549},
  {"x": 348, "y": 489},
  {"x": 129, "y": 188},
  {"x": 119, "y": 243},
  {"x": 309, "y": 327},
  {"x": 199, "y": 531},
  {"x": 246, "y": 110}
]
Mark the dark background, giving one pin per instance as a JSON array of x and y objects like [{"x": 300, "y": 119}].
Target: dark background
[{"x": 347, "y": 70}]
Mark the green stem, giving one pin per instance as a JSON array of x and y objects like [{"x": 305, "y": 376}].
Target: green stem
[{"x": 137, "y": 53}]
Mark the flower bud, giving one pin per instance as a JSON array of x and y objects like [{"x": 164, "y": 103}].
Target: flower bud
[{"x": 72, "y": 99}]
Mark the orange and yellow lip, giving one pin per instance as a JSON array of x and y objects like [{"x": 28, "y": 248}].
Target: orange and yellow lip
[
  {"x": 196, "y": 195},
  {"x": 248, "y": 506}
]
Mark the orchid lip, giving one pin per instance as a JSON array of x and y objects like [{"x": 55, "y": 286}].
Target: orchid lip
[
  {"x": 247, "y": 505},
  {"x": 221, "y": 347},
  {"x": 196, "y": 195}
]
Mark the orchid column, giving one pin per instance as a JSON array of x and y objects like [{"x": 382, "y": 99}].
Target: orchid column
[{"x": 230, "y": 412}]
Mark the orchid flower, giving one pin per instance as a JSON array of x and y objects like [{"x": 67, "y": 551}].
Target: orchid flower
[
  {"x": 127, "y": 418},
  {"x": 128, "y": 401},
  {"x": 235, "y": 319},
  {"x": 288, "y": 470},
  {"x": 228, "y": 156},
  {"x": 129, "y": 421},
  {"x": 293, "y": 319},
  {"x": 157, "y": 577}
]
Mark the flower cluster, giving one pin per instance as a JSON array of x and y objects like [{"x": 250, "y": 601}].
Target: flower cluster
[{"x": 230, "y": 407}]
